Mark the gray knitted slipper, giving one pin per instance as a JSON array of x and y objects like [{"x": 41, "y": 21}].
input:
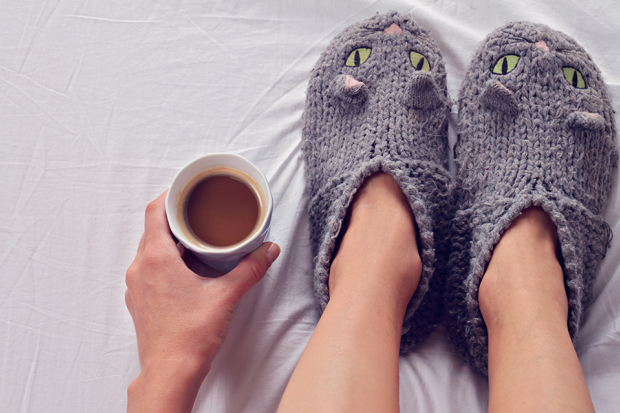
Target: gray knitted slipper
[
  {"x": 536, "y": 128},
  {"x": 377, "y": 101}
]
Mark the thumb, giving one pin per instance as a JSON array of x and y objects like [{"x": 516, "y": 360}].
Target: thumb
[{"x": 253, "y": 267}]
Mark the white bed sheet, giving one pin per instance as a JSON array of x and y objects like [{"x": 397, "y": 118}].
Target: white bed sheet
[{"x": 102, "y": 102}]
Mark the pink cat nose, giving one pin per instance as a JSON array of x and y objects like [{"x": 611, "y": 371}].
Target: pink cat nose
[
  {"x": 542, "y": 45},
  {"x": 394, "y": 29}
]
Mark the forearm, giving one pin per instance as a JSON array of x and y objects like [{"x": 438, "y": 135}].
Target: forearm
[{"x": 166, "y": 388}]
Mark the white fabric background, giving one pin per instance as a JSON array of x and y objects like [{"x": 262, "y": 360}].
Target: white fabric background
[{"x": 102, "y": 102}]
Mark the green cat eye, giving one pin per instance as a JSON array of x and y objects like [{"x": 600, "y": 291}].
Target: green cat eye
[
  {"x": 358, "y": 56},
  {"x": 505, "y": 64},
  {"x": 419, "y": 61},
  {"x": 574, "y": 77}
]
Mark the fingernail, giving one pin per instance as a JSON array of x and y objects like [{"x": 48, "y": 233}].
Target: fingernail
[{"x": 272, "y": 252}]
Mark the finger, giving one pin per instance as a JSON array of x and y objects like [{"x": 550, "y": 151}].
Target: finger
[
  {"x": 253, "y": 268},
  {"x": 155, "y": 221}
]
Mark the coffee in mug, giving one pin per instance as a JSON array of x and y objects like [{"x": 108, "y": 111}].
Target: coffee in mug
[{"x": 219, "y": 208}]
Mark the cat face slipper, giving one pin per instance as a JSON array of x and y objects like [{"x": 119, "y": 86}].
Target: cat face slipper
[
  {"x": 536, "y": 128},
  {"x": 377, "y": 101}
]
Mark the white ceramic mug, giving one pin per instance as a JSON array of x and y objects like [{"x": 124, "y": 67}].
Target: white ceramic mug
[{"x": 223, "y": 258}]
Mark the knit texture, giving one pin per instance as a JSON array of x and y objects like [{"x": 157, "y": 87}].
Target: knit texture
[
  {"x": 536, "y": 128},
  {"x": 374, "y": 104}
]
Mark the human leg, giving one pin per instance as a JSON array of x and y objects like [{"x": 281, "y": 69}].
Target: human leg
[
  {"x": 533, "y": 365},
  {"x": 351, "y": 360}
]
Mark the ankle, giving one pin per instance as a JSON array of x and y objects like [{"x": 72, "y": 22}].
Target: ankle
[
  {"x": 380, "y": 197},
  {"x": 524, "y": 280},
  {"x": 378, "y": 253},
  {"x": 531, "y": 233}
]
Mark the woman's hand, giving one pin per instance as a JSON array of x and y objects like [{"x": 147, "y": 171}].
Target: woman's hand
[{"x": 181, "y": 318}]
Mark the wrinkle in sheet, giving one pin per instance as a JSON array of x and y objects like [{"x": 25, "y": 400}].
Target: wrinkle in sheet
[
  {"x": 599, "y": 16},
  {"x": 8, "y": 298},
  {"x": 27, "y": 391},
  {"x": 609, "y": 301},
  {"x": 274, "y": 355},
  {"x": 74, "y": 76},
  {"x": 226, "y": 51},
  {"x": 52, "y": 318},
  {"x": 248, "y": 19},
  {"x": 252, "y": 114},
  {"x": 38, "y": 26},
  {"x": 609, "y": 338},
  {"x": 48, "y": 219},
  {"x": 30, "y": 106},
  {"x": 30, "y": 43},
  {"x": 79, "y": 16},
  {"x": 111, "y": 114},
  {"x": 291, "y": 157},
  {"x": 304, "y": 58},
  {"x": 36, "y": 169},
  {"x": 293, "y": 261},
  {"x": 24, "y": 76},
  {"x": 602, "y": 360},
  {"x": 84, "y": 127}
]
